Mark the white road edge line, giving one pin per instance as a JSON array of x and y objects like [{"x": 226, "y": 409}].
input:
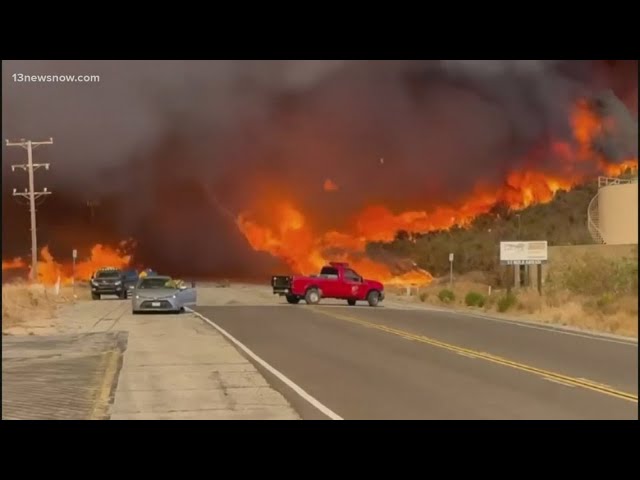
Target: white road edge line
[
  {"x": 554, "y": 329},
  {"x": 325, "y": 410},
  {"x": 535, "y": 326}
]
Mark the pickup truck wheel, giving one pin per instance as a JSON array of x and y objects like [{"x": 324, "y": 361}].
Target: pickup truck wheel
[
  {"x": 351, "y": 302},
  {"x": 312, "y": 296},
  {"x": 292, "y": 299},
  {"x": 373, "y": 298}
]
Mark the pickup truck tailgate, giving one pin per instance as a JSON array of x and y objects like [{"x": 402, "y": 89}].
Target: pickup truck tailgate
[{"x": 281, "y": 283}]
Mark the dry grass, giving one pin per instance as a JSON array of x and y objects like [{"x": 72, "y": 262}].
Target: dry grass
[
  {"x": 22, "y": 303},
  {"x": 604, "y": 313},
  {"x": 619, "y": 317}
]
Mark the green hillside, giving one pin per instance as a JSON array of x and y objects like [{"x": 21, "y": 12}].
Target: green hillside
[{"x": 563, "y": 221}]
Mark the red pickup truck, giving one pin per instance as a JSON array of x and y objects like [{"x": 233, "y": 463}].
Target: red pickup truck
[{"x": 336, "y": 280}]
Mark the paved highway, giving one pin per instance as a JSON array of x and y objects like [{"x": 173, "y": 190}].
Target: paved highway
[{"x": 386, "y": 363}]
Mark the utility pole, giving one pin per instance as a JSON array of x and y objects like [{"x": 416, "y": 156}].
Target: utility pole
[
  {"x": 517, "y": 269},
  {"x": 31, "y": 194}
]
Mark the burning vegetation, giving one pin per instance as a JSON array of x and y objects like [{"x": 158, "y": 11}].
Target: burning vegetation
[
  {"x": 50, "y": 270},
  {"x": 288, "y": 234},
  {"x": 306, "y": 172}
]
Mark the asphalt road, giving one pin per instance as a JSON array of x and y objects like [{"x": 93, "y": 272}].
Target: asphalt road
[{"x": 385, "y": 363}]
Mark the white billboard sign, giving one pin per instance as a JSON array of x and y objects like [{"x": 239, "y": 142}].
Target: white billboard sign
[{"x": 523, "y": 253}]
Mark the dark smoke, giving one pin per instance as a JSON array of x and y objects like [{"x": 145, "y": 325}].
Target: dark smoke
[
  {"x": 619, "y": 139},
  {"x": 174, "y": 149}
]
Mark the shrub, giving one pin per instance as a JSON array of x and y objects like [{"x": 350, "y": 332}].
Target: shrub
[
  {"x": 506, "y": 302},
  {"x": 593, "y": 274},
  {"x": 474, "y": 299},
  {"x": 446, "y": 296},
  {"x": 424, "y": 296},
  {"x": 605, "y": 304},
  {"x": 605, "y": 300}
]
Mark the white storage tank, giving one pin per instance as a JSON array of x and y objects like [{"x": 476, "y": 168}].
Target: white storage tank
[{"x": 618, "y": 213}]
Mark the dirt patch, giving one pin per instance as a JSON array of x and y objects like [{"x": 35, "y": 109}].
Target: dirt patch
[{"x": 24, "y": 304}]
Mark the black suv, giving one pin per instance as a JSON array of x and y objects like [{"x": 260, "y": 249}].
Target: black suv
[{"x": 108, "y": 281}]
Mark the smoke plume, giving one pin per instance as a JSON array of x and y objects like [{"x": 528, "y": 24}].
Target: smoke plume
[{"x": 172, "y": 150}]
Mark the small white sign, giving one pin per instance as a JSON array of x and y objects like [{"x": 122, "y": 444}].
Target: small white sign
[
  {"x": 451, "y": 257},
  {"x": 75, "y": 253}
]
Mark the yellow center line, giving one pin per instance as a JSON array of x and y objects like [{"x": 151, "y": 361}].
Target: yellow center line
[
  {"x": 108, "y": 371},
  {"x": 578, "y": 382}
]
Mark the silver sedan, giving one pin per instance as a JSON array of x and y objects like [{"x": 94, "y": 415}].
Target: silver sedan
[{"x": 159, "y": 294}]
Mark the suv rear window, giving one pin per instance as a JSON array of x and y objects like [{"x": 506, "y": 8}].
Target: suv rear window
[{"x": 108, "y": 274}]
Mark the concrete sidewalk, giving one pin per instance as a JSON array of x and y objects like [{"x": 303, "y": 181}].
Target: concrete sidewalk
[
  {"x": 174, "y": 367},
  {"x": 177, "y": 367}
]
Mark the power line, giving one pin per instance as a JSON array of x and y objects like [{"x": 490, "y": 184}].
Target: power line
[{"x": 31, "y": 194}]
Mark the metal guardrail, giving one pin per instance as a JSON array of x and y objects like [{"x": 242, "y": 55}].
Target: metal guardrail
[{"x": 606, "y": 181}]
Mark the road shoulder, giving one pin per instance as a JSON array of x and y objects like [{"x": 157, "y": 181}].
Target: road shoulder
[
  {"x": 177, "y": 367},
  {"x": 131, "y": 367},
  {"x": 400, "y": 303}
]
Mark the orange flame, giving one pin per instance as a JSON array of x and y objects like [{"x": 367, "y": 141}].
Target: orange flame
[
  {"x": 304, "y": 252},
  {"x": 13, "y": 264},
  {"x": 49, "y": 269},
  {"x": 289, "y": 235},
  {"x": 617, "y": 169},
  {"x": 329, "y": 185},
  {"x": 587, "y": 126}
]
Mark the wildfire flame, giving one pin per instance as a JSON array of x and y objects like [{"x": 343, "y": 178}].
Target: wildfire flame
[
  {"x": 49, "y": 269},
  {"x": 289, "y": 235},
  {"x": 587, "y": 126},
  {"x": 13, "y": 264}
]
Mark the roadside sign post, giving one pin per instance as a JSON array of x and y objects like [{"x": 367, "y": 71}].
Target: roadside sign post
[
  {"x": 74, "y": 255},
  {"x": 524, "y": 253},
  {"x": 539, "y": 279},
  {"x": 451, "y": 270}
]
